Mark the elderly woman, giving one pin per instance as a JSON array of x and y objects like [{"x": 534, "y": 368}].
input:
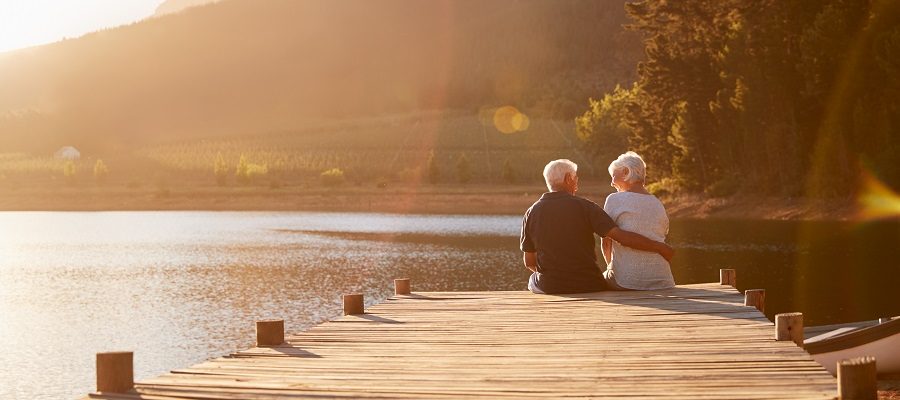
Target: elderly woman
[{"x": 633, "y": 208}]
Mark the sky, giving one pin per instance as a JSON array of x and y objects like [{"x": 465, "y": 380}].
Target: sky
[{"x": 26, "y": 23}]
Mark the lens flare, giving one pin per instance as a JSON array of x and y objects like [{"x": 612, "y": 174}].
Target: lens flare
[
  {"x": 877, "y": 200},
  {"x": 508, "y": 119}
]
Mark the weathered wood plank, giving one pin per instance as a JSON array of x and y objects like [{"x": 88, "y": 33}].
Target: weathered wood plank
[{"x": 694, "y": 341}]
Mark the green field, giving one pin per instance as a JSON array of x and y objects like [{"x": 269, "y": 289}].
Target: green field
[{"x": 369, "y": 151}]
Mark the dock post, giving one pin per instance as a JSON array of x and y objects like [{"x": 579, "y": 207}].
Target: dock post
[
  {"x": 353, "y": 304},
  {"x": 115, "y": 372},
  {"x": 270, "y": 332},
  {"x": 401, "y": 286},
  {"x": 789, "y": 326},
  {"x": 728, "y": 277},
  {"x": 756, "y": 298},
  {"x": 857, "y": 379}
]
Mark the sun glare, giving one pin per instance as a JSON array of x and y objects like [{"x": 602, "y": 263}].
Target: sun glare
[
  {"x": 508, "y": 119},
  {"x": 34, "y": 22},
  {"x": 877, "y": 201}
]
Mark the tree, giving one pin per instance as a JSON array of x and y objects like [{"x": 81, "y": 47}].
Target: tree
[
  {"x": 432, "y": 170},
  {"x": 603, "y": 127},
  {"x": 782, "y": 97},
  {"x": 463, "y": 169},
  {"x": 69, "y": 171},
  {"x": 508, "y": 173},
  {"x": 687, "y": 162},
  {"x": 220, "y": 169},
  {"x": 332, "y": 177},
  {"x": 246, "y": 172},
  {"x": 242, "y": 171},
  {"x": 100, "y": 171}
]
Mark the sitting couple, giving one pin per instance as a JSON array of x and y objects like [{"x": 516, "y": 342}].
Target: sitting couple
[{"x": 558, "y": 234}]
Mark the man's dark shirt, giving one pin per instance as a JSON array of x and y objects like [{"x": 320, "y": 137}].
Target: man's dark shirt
[{"x": 560, "y": 228}]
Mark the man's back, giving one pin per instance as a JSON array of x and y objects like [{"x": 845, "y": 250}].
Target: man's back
[{"x": 560, "y": 228}]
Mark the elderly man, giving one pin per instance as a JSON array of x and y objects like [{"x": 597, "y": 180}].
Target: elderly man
[{"x": 558, "y": 236}]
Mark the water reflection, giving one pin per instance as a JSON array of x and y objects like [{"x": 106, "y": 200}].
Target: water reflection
[{"x": 180, "y": 287}]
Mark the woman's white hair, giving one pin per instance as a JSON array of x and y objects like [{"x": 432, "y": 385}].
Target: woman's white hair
[
  {"x": 633, "y": 164},
  {"x": 555, "y": 173}
]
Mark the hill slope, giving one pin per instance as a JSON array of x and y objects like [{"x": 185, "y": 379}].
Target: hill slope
[
  {"x": 249, "y": 66},
  {"x": 174, "y": 6}
]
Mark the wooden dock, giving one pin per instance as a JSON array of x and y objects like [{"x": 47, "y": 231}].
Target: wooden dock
[{"x": 690, "y": 342}]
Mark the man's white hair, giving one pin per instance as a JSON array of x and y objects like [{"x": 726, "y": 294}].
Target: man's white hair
[
  {"x": 555, "y": 173},
  {"x": 633, "y": 164}
]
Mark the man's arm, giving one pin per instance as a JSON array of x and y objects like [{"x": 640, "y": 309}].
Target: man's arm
[
  {"x": 639, "y": 242},
  {"x": 530, "y": 259},
  {"x": 606, "y": 246}
]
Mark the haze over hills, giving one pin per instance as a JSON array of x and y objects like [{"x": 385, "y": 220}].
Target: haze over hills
[
  {"x": 174, "y": 6},
  {"x": 251, "y": 66}
]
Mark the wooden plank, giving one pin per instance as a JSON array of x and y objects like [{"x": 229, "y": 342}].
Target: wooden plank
[{"x": 694, "y": 341}]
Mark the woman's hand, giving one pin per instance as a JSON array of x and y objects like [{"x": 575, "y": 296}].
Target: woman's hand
[
  {"x": 666, "y": 252},
  {"x": 640, "y": 242}
]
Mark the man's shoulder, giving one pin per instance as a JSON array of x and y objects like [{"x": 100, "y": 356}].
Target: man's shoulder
[
  {"x": 563, "y": 202},
  {"x": 535, "y": 205},
  {"x": 587, "y": 202}
]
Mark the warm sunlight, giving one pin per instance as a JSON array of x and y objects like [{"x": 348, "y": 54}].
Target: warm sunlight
[
  {"x": 438, "y": 199},
  {"x": 508, "y": 119},
  {"x": 877, "y": 200},
  {"x": 25, "y": 23}
]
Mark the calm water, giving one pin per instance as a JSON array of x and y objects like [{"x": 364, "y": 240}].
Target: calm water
[{"x": 181, "y": 287}]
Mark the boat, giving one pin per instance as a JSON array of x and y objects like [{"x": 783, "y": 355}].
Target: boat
[{"x": 833, "y": 343}]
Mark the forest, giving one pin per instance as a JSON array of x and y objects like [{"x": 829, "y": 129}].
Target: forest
[{"x": 783, "y": 98}]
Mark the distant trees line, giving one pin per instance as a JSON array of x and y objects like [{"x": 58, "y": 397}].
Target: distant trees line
[
  {"x": 70, "y": 171},
  {"x": 247, "y": 172},
  {"x": 769, "y": 96}
]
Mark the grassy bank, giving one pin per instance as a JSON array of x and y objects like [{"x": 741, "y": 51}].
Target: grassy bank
[{"x": 395, "y": 198}]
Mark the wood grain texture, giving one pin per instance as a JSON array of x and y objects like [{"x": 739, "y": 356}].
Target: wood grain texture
[{"x": 690, "y": 342}]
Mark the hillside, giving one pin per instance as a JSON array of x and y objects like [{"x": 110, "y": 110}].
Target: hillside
[
  {"x": 174, "y": 6},
  {"x": 240, "y": 67}
]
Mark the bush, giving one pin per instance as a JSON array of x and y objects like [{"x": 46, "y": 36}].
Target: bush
[
  {"x": 409, "y": 174},
  {"x": 69, "y": 172},
  {"x": 463, "y": 169},
  {"x": 722, "y": 188},
  {"x": 100, "y": 171},
  {"x": 332, "y": 177},
  {"x": 220, "y": 168},
  {"x": 665, "y": 186},
  {"x": 247, "y": 172},
  {"x": 431, "y": 168},
  {"x": 508, "y": 173}
]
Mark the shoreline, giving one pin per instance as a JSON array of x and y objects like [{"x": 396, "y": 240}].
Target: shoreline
[
  {"x": 472, "y": 199},
  {"x": 761, "y": 207}
]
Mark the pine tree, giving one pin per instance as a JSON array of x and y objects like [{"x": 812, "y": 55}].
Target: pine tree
[
  {"x": 220, "y": 168},
  {"x": 687, "y": 163},
  {"x": 431, "y": 169},
  {"x": 463, "y": 169},
  {"x": 100, "y": 171},
  {"x": 508, "y": 173},
  {"x": 69, "y": 172},
  {"x": 242, "y": 171}
]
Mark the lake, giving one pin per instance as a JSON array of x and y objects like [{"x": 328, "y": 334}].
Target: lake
[{"x": 181, "y": 287}]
